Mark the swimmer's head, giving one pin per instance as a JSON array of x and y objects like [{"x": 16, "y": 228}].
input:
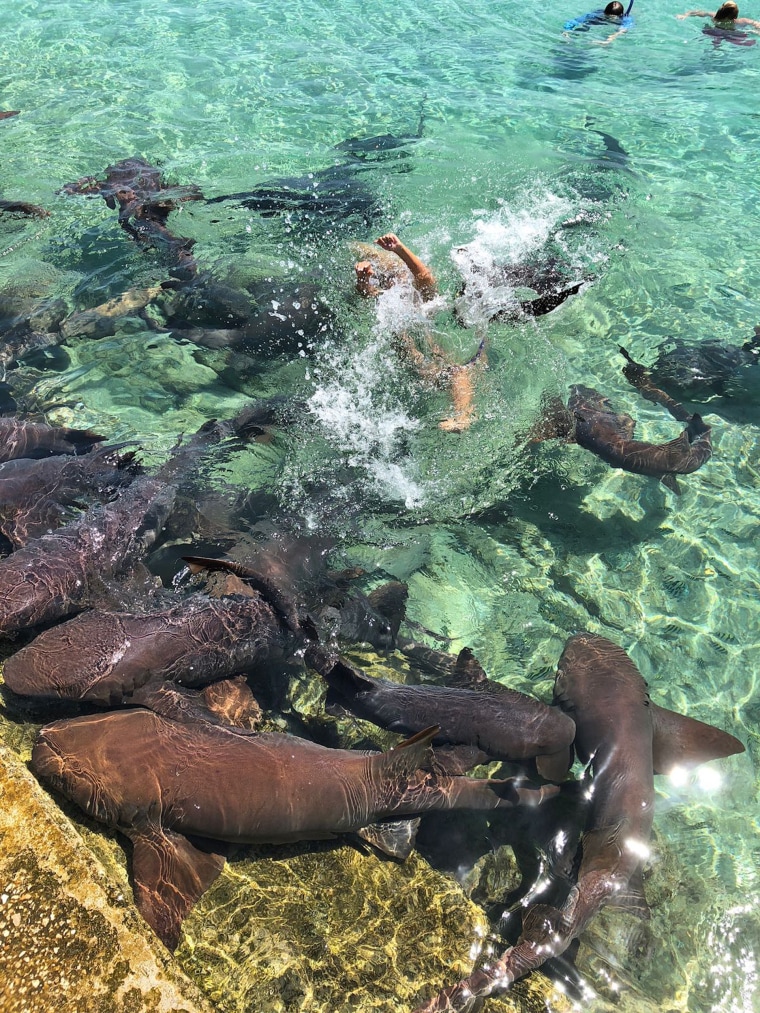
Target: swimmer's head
[
  {"x": 614, "y": 9},
  {"x": 728, "y": 11}
]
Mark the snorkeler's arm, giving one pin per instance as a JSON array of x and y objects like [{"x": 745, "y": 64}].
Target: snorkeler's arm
[
  {"x": 608, "y": 40},
  {"x": 423, "y": 278}
]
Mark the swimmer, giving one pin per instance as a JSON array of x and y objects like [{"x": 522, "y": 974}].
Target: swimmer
[
  {"x": 726, "y": 16},
  {"x": 433, "y": 366},
  {"x": 423, "y": 279},
  {"x": 613, "y": 13}
]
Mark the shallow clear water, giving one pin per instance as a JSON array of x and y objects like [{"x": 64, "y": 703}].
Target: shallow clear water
[{"x": 505, "y": 549}]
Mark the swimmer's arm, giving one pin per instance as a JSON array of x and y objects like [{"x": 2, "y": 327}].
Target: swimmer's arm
[
  {"x": 423, "y": 278},
  {"x": 695, "y": 14},
  {"x": 609, "y": 39},
  {"x": 747, "y": 21}
]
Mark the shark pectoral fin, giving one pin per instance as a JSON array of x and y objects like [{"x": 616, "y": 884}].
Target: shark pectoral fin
[
  {"x": 231, "y": 701},
  {"x": 670, "y": 482},
  {"x": 697, "y": 428},
  {"x": 554, "y": 766},
  {"x": 395, "y": 838},
  {"x": 680, "y": 741},
  {"x": 169, "y": 875},
  {"x": 468, "y": 672},
  {"x": 228, "y": 701}
]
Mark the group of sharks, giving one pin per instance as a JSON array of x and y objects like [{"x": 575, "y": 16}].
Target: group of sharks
[
  {"x": 174, "y": 761},
  {"x": 173, "y": 674}
]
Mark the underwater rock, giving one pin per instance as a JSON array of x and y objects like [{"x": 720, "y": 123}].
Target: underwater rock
[
  {"x": 329, "y": 930},
  {"x": 71, "y": 942}
]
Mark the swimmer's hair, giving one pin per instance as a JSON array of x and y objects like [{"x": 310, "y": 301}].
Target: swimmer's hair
[
  {"x": 728, "y": 11},
  {"x": 615, "y": 9}
]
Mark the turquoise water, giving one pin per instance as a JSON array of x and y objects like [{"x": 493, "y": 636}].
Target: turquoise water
[{"x": 505, "y": 549}]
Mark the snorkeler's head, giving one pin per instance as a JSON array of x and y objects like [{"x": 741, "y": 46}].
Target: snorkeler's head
[
  {"x": 615, "y": 9},
  {"x": 729, "y": 11}
]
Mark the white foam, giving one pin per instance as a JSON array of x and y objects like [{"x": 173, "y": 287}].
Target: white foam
[{"x": 355, "y": 402}]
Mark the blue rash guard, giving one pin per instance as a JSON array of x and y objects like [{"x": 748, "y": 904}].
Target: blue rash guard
[{"x": 585, "y": 21}]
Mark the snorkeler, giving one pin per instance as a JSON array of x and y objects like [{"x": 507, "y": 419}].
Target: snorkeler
[
  {"x": 369, "y": 283},
  {"x": 612, "y": 14},
  {"x": 433, "y": 365},
  {"x": 726, "y": 16}
]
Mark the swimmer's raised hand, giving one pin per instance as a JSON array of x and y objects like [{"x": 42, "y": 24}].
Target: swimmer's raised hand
[{"x": 390, "y": 242}]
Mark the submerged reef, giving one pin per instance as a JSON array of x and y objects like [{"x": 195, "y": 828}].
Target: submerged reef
[{"x": 70, "y": 938}]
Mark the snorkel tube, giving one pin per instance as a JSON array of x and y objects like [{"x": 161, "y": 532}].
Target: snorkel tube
[{"x": 628, "y": 11}]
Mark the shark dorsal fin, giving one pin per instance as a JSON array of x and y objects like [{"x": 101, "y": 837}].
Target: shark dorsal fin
[
  {"x": 408, "y": 756},
  {"x": 468, "y": 673},
  {"x": 680, "y": 741}
]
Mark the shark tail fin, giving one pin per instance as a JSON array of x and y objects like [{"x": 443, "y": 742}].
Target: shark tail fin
[
  {"x": 680, "y": 741},
  {"x": 170, "y": 874},
  {"x": 395, "y": 838}
]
